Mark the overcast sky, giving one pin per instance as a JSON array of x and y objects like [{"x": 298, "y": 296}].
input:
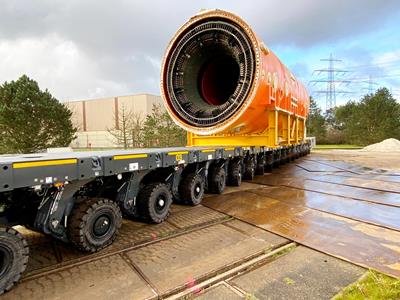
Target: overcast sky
[{"x": 91, "y": 49}]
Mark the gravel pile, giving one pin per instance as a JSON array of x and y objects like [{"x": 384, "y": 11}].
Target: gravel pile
[{"x": 388, "y": 145}]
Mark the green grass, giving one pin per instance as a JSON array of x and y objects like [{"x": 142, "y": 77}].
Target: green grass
[
  {"x": 331, "y": 147},
  {"x": 250, "y": 296},
  {"x": 372, "y": 285}
]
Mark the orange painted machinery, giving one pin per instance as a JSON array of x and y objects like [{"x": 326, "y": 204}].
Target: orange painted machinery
[{"x": 225, "y": 87}]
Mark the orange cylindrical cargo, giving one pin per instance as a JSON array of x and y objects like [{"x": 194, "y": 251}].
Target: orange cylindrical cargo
[{"x": 218, "y": 78}]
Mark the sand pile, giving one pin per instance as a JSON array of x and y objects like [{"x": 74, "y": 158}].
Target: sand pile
[{"x": 388, "y": 145}]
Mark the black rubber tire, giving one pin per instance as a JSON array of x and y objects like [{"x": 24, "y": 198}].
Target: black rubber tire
[
  {"x": 249, "y": 169},
  {"x": 268, "y": 168},
  {"x": 235, "y": 173},
  {"x": 293, "y": 155},
  {"x": 14, "y": 254},
  {"x": 260, "y": 169},
  {"x": 83, "y": 224},
  {"x": 297, "y": 153},
  {"x": 217, "y": 180},
  {"x": 154, "y": 202},
  {"x": 269, "y": 161},
  {"x": 277, "y": 160},
  {"x": 276, "y": 164},
  {"x": 191, "y": 189},
  {"x": 283, "y": 158}
]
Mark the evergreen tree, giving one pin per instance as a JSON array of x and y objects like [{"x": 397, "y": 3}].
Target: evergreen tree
[
  {"x": 315, "y": 122},
  {"x": 375, "y": 118},
  {"x": 32, "y": 120},
  {"x": 160, "y": 131},
  {"x": 378, "y": 117}
]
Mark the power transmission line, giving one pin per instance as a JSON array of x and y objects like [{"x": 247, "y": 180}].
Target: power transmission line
[
  {"x": 331, "y": 82},
  {"x": 371, "y": 85}
]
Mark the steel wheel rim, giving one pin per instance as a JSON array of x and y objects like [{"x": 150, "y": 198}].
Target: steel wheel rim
[
  {"x": 197, "y": 190},
  {"x": 160, "y": 203},
  {"x": 101, "y": 225}
]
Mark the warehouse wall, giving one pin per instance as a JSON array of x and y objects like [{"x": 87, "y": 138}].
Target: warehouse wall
[{"x": 94, "y": 118}]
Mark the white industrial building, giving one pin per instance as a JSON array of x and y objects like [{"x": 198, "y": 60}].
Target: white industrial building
[{"x": 94, "y": 118}]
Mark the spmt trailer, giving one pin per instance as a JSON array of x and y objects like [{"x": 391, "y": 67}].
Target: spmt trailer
[{"x": 244, "y": 112}]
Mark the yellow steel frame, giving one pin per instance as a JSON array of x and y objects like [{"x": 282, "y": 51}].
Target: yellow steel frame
[{"x": 284, "y": 129}]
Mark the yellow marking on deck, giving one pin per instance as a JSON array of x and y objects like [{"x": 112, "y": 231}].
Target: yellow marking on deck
[
  {"x": 208, "y": 150},
  {"x": 229, "y": 149},
  {"x": 130, "y": 156},
  {"x": 44, "y": 163},
  {"x": 178, "y": 152}
]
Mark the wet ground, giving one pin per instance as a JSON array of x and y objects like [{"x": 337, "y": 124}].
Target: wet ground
[{"x": 287, "y": 235}]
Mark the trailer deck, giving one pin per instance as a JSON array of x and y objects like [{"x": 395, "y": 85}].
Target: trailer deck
[{"x": 47, "y": 168}]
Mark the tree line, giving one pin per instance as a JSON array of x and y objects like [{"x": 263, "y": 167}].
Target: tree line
[{"x": 373, "y": 118}]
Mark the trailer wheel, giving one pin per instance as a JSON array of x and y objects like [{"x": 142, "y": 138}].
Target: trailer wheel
[
  {"x": 260, "y": 167},
  {"x": 249, "y": 169},
  {"x": 269, "y": 162},
  {"x": 217, "y": 180},
  {"x": 94, "y": 224},
  {"x": 191, "y": 189},
  {"x": 154, "y": 201},
  {"x": 235, "y": 173},
  {"x": 14, "y": 253},
  {"x": 297, "y": 152},
  {"x": 268, "y": 168},
  {"x": 283, "y": 159}
]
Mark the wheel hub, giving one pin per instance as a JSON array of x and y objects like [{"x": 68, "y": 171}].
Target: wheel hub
[
  {"x": 101, "y": 225},
  {"x": 160, "y": 204},
  {"x": 197, "y": 190}
]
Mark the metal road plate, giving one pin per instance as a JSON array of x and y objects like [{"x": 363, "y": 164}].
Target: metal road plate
[
  {"x": 364, "y": 194},
  {"x": 356, "y": 241}
]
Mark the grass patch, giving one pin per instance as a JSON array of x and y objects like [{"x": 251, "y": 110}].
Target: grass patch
[
  {"x": 289, "y": 281},
  {"x": 372, "y": 285},
  {"x": 250, "y": 296},
  {"x": 331, "y": 147},
  {"x": 282, "y": 252}
]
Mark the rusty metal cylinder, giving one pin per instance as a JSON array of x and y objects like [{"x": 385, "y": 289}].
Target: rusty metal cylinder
[{"x": 217, "y": 77}]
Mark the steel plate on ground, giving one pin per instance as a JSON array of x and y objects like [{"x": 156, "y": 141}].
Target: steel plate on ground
[{"x": 364, "y": 244}]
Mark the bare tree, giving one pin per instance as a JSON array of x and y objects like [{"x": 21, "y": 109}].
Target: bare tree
[
  {"x": 136, "y": 129},
  {"x": 122, "y": 127}
]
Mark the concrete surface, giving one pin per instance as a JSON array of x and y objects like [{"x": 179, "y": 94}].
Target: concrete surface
[
  {"x": 220, "y": 292},
  {"x": 301, "y": 274},
  {"x": 183, "y": 260}
]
